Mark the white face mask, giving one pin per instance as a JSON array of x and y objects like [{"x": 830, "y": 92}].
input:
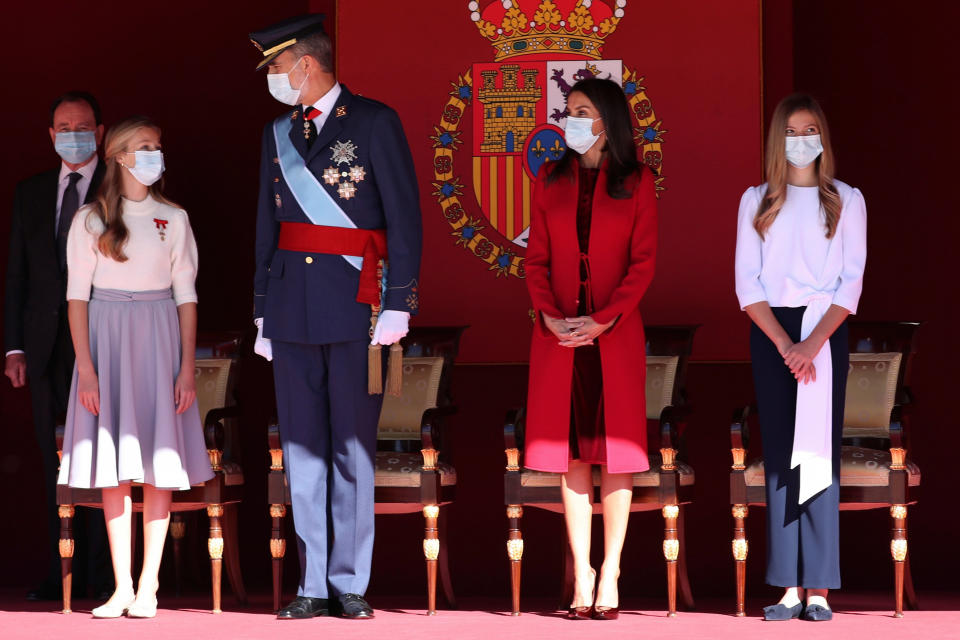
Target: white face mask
[
  {"x": 579, "y": 135},
  {"x": 278, "y": 84},
  {"x": 148, "y": 168},
  {"x": 802, "y": 150}
]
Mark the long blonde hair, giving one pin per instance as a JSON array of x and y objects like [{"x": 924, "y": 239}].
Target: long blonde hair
[
  {"x": 776, "y": 166},
  {"x": 108, "y": 206}
]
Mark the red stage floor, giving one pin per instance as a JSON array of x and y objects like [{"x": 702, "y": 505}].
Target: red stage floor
[{"x": 857, "y": 616}]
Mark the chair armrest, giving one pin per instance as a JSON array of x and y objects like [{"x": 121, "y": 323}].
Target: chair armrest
[
  {"x": 513, "y": 429},
  {"x": 220, "y": 413},
  {"x": 899, "y": 418},
  {"x": 670, "y": 418},
  {"x": 740, "y": 436},
  {"x": 432, "y": 424}
]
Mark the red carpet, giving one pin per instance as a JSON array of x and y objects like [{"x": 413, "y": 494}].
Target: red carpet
[{"x": 857, "y": 616}]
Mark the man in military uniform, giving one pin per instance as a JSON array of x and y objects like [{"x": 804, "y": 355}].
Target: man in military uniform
[{"x": 337, "y": 262}]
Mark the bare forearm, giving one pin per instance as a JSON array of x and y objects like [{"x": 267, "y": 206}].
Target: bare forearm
[
  {"x": 80, "y": 333},
  {"x": 762, "y": 316},
  {"x": 187, "y": 313},
  {"x": 832, "y": 319}
]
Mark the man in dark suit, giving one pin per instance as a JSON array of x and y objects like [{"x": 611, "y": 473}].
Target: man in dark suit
[
  {"x": 338, "y": 197},
  {"x": 37, "y": 343}
]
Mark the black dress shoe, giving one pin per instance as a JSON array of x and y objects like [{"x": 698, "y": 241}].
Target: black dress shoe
[
  {"x": 782, "y": 612},
  {"x": 817, "y": 613},
  {"x": 353, "y": 606},
  {"x": 304, "y": 607}
]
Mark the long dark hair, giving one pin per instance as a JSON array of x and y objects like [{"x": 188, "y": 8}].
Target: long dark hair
[{"x": 621, "y": 152}]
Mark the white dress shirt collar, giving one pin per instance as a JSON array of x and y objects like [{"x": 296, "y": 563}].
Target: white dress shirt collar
[
  {"x": 86, "y": 170},
  {"x": 325, "y": 104}
]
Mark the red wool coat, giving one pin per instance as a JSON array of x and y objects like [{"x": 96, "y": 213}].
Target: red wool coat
[{"x": 623, "y": 238}]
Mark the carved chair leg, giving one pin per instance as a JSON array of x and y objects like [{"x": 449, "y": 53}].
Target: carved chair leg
[
  {"x": 66, "y": 512},
  {"x": 178, "y": 529},
  {"x": 443, "y": 561},
  {"x": 431, "y": 550},
  {"x": 232, "y": 551},
  {"x": 898, "y": 549},
  {"x": 671, "y": 549},
  {"x": 740, "y": 548},
  {"x": 515, "y": 553},
  {"x": 686, "y": 594},
  {"x": 912, "y": 602},
  {"x": 215, "y": 548},
  {"x": 278, "y": 549}
]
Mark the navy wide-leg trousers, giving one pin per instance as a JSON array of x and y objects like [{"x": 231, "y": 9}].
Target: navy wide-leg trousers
[{"x": 802, "y": 539}]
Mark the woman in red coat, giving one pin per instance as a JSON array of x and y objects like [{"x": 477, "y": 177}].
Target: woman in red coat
[{"x": 589, "y": 261}]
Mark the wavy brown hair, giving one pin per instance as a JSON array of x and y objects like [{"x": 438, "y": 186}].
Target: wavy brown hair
[
  {"x": 108, "y": 206},
  {"x": 776, "y": 166}
]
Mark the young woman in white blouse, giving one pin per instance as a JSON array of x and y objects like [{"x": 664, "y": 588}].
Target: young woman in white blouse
[
  {"x": 131, "y": 265},
  {"x": 801, "y": 252}
]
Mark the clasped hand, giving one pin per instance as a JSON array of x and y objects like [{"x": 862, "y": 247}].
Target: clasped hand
[
  {"x": 575, "y": 332},
  {"x": 799, "y": 359}
]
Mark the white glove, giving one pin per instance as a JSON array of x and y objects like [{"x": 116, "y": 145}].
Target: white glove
[
  {"x": 262, "y": 346},
  {"x": 391, "y": 326}
]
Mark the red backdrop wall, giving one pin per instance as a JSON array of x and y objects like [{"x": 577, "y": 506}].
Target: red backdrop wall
[
  {"x": 190, "y": 66},
  {"x": 704, "y": 83}
]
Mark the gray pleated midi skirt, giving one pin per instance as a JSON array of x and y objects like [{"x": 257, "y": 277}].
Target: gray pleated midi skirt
[{"x": 138, "y": 436}]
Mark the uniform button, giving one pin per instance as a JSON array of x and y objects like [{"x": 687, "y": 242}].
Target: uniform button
[{"x": 308, "y": 260}]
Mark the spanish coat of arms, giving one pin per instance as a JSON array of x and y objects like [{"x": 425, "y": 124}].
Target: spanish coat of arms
[{"x": 515, "y": 109}]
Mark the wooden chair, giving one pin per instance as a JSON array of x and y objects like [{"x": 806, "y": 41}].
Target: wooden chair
[
  {"x": 413, "y": 470},
  {"x": 667, "y": 486},
  {"x": 874, "y": 470},
  {"x": 215, "y": 379}
]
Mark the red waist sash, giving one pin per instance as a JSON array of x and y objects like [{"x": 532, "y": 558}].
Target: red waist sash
[{"x": 369, "y": 244}]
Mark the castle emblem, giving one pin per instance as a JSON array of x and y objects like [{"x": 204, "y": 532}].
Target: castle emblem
[{"x": 514, "y": 110}]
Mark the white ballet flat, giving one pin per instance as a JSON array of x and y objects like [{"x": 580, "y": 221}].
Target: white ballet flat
[
  {"x": 109, "y": 610},
  {"x": 138, "y": 610}
]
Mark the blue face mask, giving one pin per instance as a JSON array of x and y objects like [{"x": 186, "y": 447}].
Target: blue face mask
[{"x": 75, "y": 146}]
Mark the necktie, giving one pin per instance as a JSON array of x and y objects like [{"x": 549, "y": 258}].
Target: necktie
[
  {"x": 310, "y": 127},
  {"x": 68, "y": 207}
]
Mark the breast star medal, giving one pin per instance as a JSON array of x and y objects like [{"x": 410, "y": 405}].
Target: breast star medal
[
  {"x": 161, "y": 227},
  {"x": 344, "y": 179}
]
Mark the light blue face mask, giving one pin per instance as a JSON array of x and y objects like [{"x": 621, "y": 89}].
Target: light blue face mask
[
  {"x": 148, "y": 166},
  {"x": 75, "y": 146}
]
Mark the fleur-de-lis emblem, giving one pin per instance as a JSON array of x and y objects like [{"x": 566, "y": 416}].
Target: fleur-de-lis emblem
[
  {"x": 557, "y": 149},
  {"x": 538, "y": 149}
]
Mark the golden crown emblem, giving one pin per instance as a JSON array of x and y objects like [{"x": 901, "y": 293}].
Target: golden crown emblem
[{"x": 529, "y": 27}]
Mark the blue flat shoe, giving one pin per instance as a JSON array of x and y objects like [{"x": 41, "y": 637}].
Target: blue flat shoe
[
  {"x": 776, "y": 612},
  {"x": 817, "y": 613}
]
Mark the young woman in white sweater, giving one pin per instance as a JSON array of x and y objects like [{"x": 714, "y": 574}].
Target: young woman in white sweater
[
  {"x": 801, "y": 252},
  {"x": 131, "y": 266}
]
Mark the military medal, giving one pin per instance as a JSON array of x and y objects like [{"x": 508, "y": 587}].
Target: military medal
[
  {"x": 161, "y": 227},
  {"x": 344, "y": 179}
]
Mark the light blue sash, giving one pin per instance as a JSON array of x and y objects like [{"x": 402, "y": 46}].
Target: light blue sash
[{"x": 313, "y": 198}]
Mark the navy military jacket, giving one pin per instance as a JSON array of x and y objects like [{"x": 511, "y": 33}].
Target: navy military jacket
[{"x": 310, "y": 298}]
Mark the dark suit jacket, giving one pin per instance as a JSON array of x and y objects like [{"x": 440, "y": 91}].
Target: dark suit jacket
[
  {"x": 315, "y": 302},
  {"x": 36, "y": 289}
]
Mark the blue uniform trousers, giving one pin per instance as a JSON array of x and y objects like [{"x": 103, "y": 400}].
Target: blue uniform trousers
[
  {"x": 802, "y": 540},
  {"x": 328, "y": 426}
]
